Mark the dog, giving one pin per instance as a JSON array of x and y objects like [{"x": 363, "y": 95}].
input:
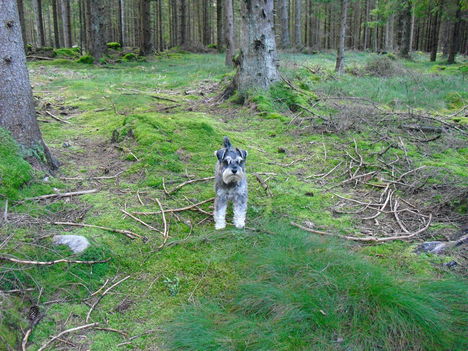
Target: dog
[{"x": 230, "y": 185}]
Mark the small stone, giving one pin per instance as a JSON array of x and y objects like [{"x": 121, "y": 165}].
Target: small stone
[
  {"x": 76, "y": 243},
  {"x": 434, "y": 247},
  {"x": 66, "y": 144},
  {"x": 451, "y": 264}
]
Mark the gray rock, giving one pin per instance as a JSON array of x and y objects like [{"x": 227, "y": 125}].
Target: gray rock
[
  {"x": 434, "y": 247},
  {"x": 76, "y": 243}
]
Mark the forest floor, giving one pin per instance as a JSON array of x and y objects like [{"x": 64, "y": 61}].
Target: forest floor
[{"x": 378, "y": 153}]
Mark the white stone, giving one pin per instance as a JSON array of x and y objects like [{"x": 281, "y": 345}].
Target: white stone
[{"x": 76, "y": 243}]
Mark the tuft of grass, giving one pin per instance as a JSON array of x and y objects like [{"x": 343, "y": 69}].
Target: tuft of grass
[{"x": 305, "y": 293}]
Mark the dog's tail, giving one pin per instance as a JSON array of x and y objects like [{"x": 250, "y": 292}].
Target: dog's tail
[{"x": 227, "y": 142}]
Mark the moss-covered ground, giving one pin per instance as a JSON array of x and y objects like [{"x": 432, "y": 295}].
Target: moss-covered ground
[{"x": 268, "y": 287}]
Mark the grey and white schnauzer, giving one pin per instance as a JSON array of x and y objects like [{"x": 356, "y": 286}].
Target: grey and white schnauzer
[{"x": 230, "y": 185}]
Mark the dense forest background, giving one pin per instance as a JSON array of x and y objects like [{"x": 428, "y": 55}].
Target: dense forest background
[{"x": 198, "y": 25}]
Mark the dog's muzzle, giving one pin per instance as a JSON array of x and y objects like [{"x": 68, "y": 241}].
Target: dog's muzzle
[{"x": 232, "y": 176}]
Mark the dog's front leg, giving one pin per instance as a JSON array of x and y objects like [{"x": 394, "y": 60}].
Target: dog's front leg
[
  {"x": 220, "y": 211},
  {"x": 240, "y": 208}
]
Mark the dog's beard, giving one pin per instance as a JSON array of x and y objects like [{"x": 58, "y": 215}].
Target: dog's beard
[{"x": 229, "y": 177}]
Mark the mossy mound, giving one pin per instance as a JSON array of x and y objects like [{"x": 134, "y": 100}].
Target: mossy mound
[{"x": 14, "y": 170}]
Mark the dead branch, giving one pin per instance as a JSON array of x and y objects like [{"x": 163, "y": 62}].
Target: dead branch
[
  {"x": 24, "y": 342},
  {"x": 323, "y": 175},
  {"x": 90, "y": 178},
  {"x": 93, "y": 306},
  {"x": 5, "y": 212},
  {"x": 57, "y": 118},
  {"x": 121, "y": 332},
  {"x": 39, "y": 57},
  {"x": 126, "y": 149},
  {"x": 166, "y": 231},
  {"x": 48, "y": 263},
  {"x": 128, "y": 233},
  {"x": 60, "y": 195},
  {"x": 188, "y": 182},
  {"x": 263, "y": 184},
  {"x": 181, "y": 209},
  {"x": 86, "y": 326},
  {"x": 141, "y": 222}
]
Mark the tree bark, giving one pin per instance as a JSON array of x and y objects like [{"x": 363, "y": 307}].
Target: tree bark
[
  {"x": 21, "y": 18},
  {"x": 229, "y": 32},
  {"x": 146, "y": 47},
  {"x": 258, "y": 63},
  {"x": 298, "y": 27},
  {"x": 435, "y": 33},
  {"x": 38, "y": 22},
  {"x": 284, "y": 22},
  {"x": 455, "y": 35},
  {"x": 339, "y": 68},
  {"x": 97, "y": 28},
  {"x": 219, "y": 25},
  {"x": 121, "y": 7},
  {"x": 17, "y": 113},
  {"x": 406, "y": 29},
  {"x": 67, "y": 38}
]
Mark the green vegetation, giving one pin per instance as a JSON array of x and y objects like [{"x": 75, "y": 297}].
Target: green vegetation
[
  {"x": 87, "y": 59},
  {"x": 113, "y": 45},
  {"x": 272, "y": 287}
]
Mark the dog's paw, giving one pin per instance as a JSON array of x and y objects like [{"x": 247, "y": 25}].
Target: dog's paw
[
  {"x": 239, "y": 224},
  {"x": 219, "y": 226}
]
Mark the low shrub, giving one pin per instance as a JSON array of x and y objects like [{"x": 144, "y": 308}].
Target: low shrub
[{"x": 87, "y": 59}]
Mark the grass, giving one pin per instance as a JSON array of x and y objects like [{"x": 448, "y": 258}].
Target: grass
[{"x": 230, "y": 289}]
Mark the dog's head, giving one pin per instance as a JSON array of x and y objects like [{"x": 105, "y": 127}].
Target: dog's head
[{"x": 231, "y": 162}]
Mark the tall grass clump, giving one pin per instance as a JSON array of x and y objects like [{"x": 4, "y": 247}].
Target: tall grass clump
[{"x": 305, "y": 293}]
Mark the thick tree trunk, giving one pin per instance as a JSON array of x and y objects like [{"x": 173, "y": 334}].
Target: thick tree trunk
[
  {"x": 67, "y": 38},
  {"x": 435, "y": 35},
  {"x": 146, "y": 47},
  {"x": 219, "y": 25},
  {"x": 297, "y": 24},
  {"x": 229, "y": 31},
  {"x": 339, "y": 68},
  {"x": 56, "y": 26},
  {"x": 17, "y": 114},
  {"x": 455, "y": 35},
  {"x": 97, "y": 28},
  {"x": 206, "y": 24},
  {"x": 21, "y": 18},
  {"x": 258, "y": 63},
  {"x": 406, "y": 29},
  {"x": 38, "y": 22},
  {"x": 284, "y": 24}
]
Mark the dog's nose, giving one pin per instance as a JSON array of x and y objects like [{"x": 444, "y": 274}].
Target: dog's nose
[{"x": 234, "y": 170}]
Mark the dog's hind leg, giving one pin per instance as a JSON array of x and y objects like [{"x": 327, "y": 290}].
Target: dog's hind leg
[{"x": 220, "y": 212}]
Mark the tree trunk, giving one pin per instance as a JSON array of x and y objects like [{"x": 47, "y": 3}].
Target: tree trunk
[
  {"x": 284, "y": 22},
  {"x": 206, "y": 24},
  {"x": 339, "y": 68},
  {"x": 121, "y": 16},
  {"x": 146, "y": 44},
  {"x": 435, "y": 33},
  {"x": 97, "y": 28},
  {"x": 406, "y": 29},
  {"x": 17, "y": 114},
  {"x": 229, "y": 31},
  {"x": 258, "y": 63},
  {"x": 219, "y": 25},
  {"x": 67, "y": 39},
  {"x": 183, "y": 23},
  {"x": 455, "y": 35},
  {"x": 298, "y": 27},
  {"x": 38, "y": 22},
  {"x": 56, "y": 26},
  {"x": 21, "y": 19}
]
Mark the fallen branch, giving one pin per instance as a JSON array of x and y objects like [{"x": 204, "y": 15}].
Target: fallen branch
[
  {"x": 127, "y": 233},
  {"x": 263, "y": 184},
  {"x": 121, "y": 332},
  {"x": 89, "y": 178},
  {"x": 141, "y": 222},
  {"x": 59, "y": 195},
  {"x": 166, "y": 231},
  {"x": 86, "y": 326},
  {"x": 186, "y": 183},
  {"x": 57, "y": 118},
  {"x": 93, "y": 306},
  {"x": 39, "y": 57},
  {"x": 48, "y": 263},
  {"x": 181, "y": 209},
  {"x": 369, "y": 238}
]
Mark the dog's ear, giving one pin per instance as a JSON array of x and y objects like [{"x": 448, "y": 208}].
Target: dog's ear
[
  {"x": 220, "y": 154},
  {"x": 242, "y": 153},
  {"x": 227, "y": 142}
]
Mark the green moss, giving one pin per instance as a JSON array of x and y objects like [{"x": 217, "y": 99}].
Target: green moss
[
  {"x": 130, "y": 57},
  {"x": 73, "y": 53},
  {"x": 14, "y": 170},
  {"x": 113, "y": 45},
  {"x": 87, "y": 59},
  {"x": 456, "y": 100}
]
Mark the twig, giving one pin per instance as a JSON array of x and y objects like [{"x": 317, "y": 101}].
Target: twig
[
  {"x": 48, "y": 263},
  {"x": 24, "y": 342},
  {"x": 186, "y": 183},
  {"x": 127, "y": 233},
  {"x": 263, "y": 184},
  {"x": 86, "y": 326},
  {"x": 40, "y": 57},
  {"x": 89, "y": 178},
  {"x": 59, "y": 195},
  {"x": 141, "y": 222},
  {"x": 323, "y": 175},
  {"x": 181, "y": 209},
  {"x": 88, "y": 315},
  {"x": 5, "y": 212},
  {"x": 57, "y": 118},
  {"x": 99, "y": 290},
  {"x": 165, "y": 232},
  {"x": 121, "y": 332},
  {"x": 126, "y": 149}
]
